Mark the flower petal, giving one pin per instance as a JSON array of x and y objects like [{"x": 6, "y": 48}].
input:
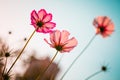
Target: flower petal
[
  {"x": 46, "y": 30},
  {"x": 48, "y": 42},
  {"x": 67, "y": 49},
  {"x": 34, "y": 15},
  {"x": 106, "y": 21},
  {"x": 110, "y": 26},
  {"x": 41, "y": 13},
  {"x": 98, "y": 21},
  {"x": 55, "y": 37},
  {"x": 33, "y": 20},
  {"x": 50, "y": 25},
  {"x": 71, "y": 43},
  {"x": 47, "y": 18},
  {"x": 64, "y": 36}
]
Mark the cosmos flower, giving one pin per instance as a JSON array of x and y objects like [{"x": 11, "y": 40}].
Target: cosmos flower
[
  {"x": 5, "y": 51},
  {"x": 59, "y": 41},
  {"x": 103, "y": 25},
  {"x": 42, "y": 21}
]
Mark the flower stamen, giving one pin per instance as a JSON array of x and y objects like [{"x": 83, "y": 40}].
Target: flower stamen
[
  {"x": 40, "y": 24},
  {"x": 58, "y": 48}
]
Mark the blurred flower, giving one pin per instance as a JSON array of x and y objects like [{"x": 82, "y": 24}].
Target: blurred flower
[
  {"x": 25, "y": 38},
  {"x": 37, "y": 66},
  {"x": 103, "y": 25},
  {"x": 6, "y": 76},
  {"x": 10, "y": 32},
  {"x": 5, "y": 51},
  {"x": 42, "y": 21},
  {"x": 59, "y": 41},
  {"x": 104, "y": 68}
]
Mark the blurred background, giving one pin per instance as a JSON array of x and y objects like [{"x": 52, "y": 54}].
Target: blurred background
[{"x": 76, "y": 16}]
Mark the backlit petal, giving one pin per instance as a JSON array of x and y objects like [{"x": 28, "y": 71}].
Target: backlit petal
[
  {"x": 64, "y": 36},
  {"x": 47, "y": 18},
  {"x": 41, "y": 13},
  {"x": 57, "y": 37},
  {"x": 71, "y": 43},
  {"x": 34, "y": 15},
  {"x": 50, "y": 25},
  {"x": 106, "y": 21},
  {"x": 48, "y": 42},
  {"x": 46, "y": 30}
]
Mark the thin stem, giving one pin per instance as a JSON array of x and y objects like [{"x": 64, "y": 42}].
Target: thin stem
[
  {"x": 5, "y": 65},
  {"x": 93, "y": 75},
  {"x": 22, "y": 50},
  {"x": 78, "y": 56},
  {"x": 47, "y": 66},
  {"x": 57, "y": 66},
  {"x": 60, "y": 59}
]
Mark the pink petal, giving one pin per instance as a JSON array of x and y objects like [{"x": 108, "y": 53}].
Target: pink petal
[
  {"x": 106, "y": 21},
  {"x": 46, "y": 30},
  {"x": 34, "y": 15},
  {"x": 55, "y": 37},
  {"x": 34, "y": 25},
  {"x": 98, "y": 21},
  {"x": 48, "y": 43},
  {"x": 67, "y": 49},
  {"x": 41, "y": 13},
  {"x": 71, "y": 43},
  {"x": 50, "y": 25},
  {"x": 110, "y": 26},
  {"x": 47, "y": 18},
  {"x": 52, "y": 38},
  {"x": 64, "y": 36},
  {"x": 104, "y": 35},
  {"x": 33, "y": 21}
]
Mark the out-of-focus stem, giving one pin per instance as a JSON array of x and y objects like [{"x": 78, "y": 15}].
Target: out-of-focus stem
[
  {"x": 78, "y": 56},
  {"x": 93, "y": 75},
  {"x": 47, "y": 67}
]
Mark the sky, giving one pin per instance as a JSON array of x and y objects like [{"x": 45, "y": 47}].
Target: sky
[{"x": 77, "y": 17}]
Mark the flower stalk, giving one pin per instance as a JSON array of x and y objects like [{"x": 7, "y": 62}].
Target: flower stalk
[
  {"x": 47, "y": 67},
  {"x": 22, "y": 50},
  {"x": 78, "y": 56},
  {"x": 93, "y": 75}
]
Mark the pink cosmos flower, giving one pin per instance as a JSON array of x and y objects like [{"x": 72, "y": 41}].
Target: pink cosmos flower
[
  {"x": 42, "y": 21},
  {"x": 59, "y": 41},
  {"x": 103, "y": 25}
]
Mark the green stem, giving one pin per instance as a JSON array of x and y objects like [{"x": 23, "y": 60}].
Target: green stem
[
  {"x": 93, "y": 75},
  {"x": 47, "y": 67},
  {"x": 21, "y": 51},
  {"x": 78, "y": 56}
]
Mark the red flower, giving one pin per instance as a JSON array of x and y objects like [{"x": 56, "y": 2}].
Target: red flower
[
  {"x": 59, "y": 41},
  {"x": 42, "y": 21},
  {"x": 103, "y": 25}
]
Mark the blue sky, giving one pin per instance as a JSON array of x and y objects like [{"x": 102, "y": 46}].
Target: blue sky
[{"x": 76, "y": 16}]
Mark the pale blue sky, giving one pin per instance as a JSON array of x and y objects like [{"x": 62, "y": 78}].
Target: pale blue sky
[{"x": 76, "y": 16}]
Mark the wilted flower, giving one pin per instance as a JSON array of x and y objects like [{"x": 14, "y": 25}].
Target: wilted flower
[
  {"x": 42, "y": 21},
  {"x": 103, "y": 25},
  {"x": 10, "y": 32},
  {"x": 59, "y": 41},
  {"x": 5, "y": 51}
]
